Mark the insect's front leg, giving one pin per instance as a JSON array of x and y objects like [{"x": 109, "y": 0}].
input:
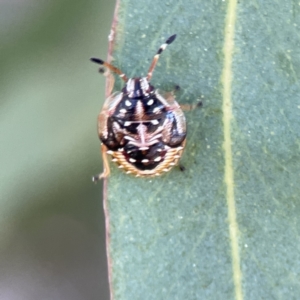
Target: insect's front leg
[
  {"x": 170, "y": 97},
  {"x": 110, "y": 83},
  {"x": 110, "y": 80},
  {"x": 189, "y": 107}
]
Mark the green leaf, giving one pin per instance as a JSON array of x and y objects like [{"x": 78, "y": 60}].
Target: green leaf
[{"x": 227, "y": 227}]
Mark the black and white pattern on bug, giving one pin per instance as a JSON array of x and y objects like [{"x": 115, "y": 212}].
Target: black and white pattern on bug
[{"x": 142, "y": 130}]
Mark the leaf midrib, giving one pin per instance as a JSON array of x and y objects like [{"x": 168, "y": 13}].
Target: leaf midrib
[{"x": 226, "y": 79}]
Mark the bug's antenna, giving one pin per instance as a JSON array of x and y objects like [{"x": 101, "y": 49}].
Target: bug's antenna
[
  {"x": 111, "y": 67},
  {"x": 156, "y": 56}
]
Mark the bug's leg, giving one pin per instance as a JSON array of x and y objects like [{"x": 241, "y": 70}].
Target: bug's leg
[
  {"x": 181, "y": 167},
  {"x": 106, "y": 169},
  {"x": 170, "y": 97},
  {"x": 110, "y": 79},
  {"x": 110, "y": 83},
  {"x": 189, "y": 107},
  {"x": 110, "y": 67},
  {"x": 156, "y": 56},
  {"x": 176, "y": 88}
]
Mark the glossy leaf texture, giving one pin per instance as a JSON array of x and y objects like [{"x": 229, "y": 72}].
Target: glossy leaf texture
[{"x": 228, "y": 226}]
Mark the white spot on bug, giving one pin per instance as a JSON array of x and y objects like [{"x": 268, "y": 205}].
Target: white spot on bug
[
  {"x": 154, "y": 122},
  {"x": 109, "y": 152},
  {"x": 144, "y": 85},
  {"x": 143, "y": 148},
  {"x": 128, "y": 172},
  {"x": 130, "y": 87},
  {"x": 145, "y": 160},
  {"x": 150, "y": 102},
  {"x": 172, "y": 164},
  {"x": 127, "y": 103},
  {"x": 120, "y": 167},
  {"x": 121, "y": 149},
  {"x": 129, "y": 138},
  {"x": 158, "y": 158},
  {"x": 166, "y": 170},
  {"x": 123, "y": 111},
  {"x": 114, "y": 160},
  {"x": 156, "y": 109},
  {"x": 176, "y": 156},
  {"x": 132, "y": 160},
  {"x": 180, "y": 148},
  {"x": 127, "y": 123}
]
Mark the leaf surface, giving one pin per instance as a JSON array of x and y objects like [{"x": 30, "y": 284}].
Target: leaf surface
[{"x": 228, "y": 226}]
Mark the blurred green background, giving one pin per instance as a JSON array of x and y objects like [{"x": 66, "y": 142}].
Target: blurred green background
[{"x": 51, "y": 221}]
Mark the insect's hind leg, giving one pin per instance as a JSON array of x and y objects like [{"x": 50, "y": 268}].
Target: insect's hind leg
[{"x": 106, "y": 168}]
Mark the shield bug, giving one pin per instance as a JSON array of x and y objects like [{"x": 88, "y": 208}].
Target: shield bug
[{"x": 143, "y": 130}]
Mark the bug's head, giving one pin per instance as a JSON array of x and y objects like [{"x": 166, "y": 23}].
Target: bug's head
[{"x": 138, "y": 87}]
